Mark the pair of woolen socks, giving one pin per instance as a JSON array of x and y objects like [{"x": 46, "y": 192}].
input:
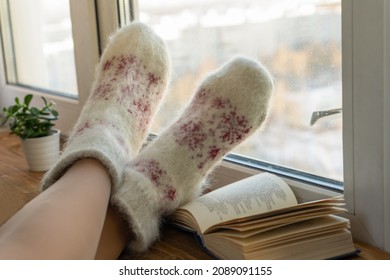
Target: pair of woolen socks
[{"x": 227, "y": 107}]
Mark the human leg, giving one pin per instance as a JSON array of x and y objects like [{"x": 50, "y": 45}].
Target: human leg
[
  {"x": 55, "y": 223},
  {"x": 114, "y": 236}
]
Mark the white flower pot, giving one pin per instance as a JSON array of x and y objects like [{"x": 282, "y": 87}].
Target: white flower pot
[{"x": 42, "y": 152}]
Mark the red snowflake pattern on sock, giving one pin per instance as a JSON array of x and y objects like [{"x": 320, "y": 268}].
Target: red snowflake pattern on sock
[
  {"x": 210, "y": 130},
  {"x": 135, "y": 89},
  {"x": 233, "y": 127},
  {"x": 117, "y": 68},
  {"x": 192, "y": 135},
  {"x": 152, "y": 79},
  {"x": 102, "y": 91},
  {"x": 170, "y": 193},
  {"x": 125, "y": 66},
  {"x": 140, "y": 110},
  {"x": 201, "y": 96},
  {"x": 213, "y": 152},
  {"x": 107, "y": 65},
  {"x": 220, "y": 103},
  {"x": 152, "y": 170},
  {"x": 142, "y": 106}
]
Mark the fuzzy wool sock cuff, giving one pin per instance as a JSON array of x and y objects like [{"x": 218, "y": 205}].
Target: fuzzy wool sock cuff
[{"x": 104, "y": 148}]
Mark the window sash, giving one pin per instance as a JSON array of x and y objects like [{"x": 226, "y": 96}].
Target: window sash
[{"x": 366, "y": 86}]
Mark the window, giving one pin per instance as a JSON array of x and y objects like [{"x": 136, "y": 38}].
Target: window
[{"x": 299, "y": 42}]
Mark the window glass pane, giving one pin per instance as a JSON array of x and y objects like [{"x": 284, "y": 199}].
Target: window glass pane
[
  {"x": 38, "y": 45},
  {"x": 300, "y": 43}
]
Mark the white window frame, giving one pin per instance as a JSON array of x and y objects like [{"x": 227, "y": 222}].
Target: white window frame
[{"x": 366, "y": 118}]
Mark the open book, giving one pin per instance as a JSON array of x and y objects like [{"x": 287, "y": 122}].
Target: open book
[{"x": 259, "y": 218}]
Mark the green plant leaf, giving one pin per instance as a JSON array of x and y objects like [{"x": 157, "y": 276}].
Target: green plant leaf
[
  {"x": 35, "y": 111},
  {"x": 44, "y": 101},
  {"x": 54, "y": 112},
  {"x": 27, "y": 99},
  {"x": 13, "y": 109},
  {"x": 29, "y": 122}
]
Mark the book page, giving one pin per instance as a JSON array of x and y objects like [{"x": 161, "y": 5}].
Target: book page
[{"x": 254, "y": 195}]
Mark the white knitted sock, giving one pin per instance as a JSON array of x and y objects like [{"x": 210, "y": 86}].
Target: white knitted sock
[
  {"x": 228, "y": 106},
  {"x": 131, "y": 80}
]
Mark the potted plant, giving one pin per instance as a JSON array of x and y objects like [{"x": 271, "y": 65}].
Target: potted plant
[{"x": 41, "y": 143}]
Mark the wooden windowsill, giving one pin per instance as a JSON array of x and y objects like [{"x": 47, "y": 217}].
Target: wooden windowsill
[{"x": 19, "y": 185}]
